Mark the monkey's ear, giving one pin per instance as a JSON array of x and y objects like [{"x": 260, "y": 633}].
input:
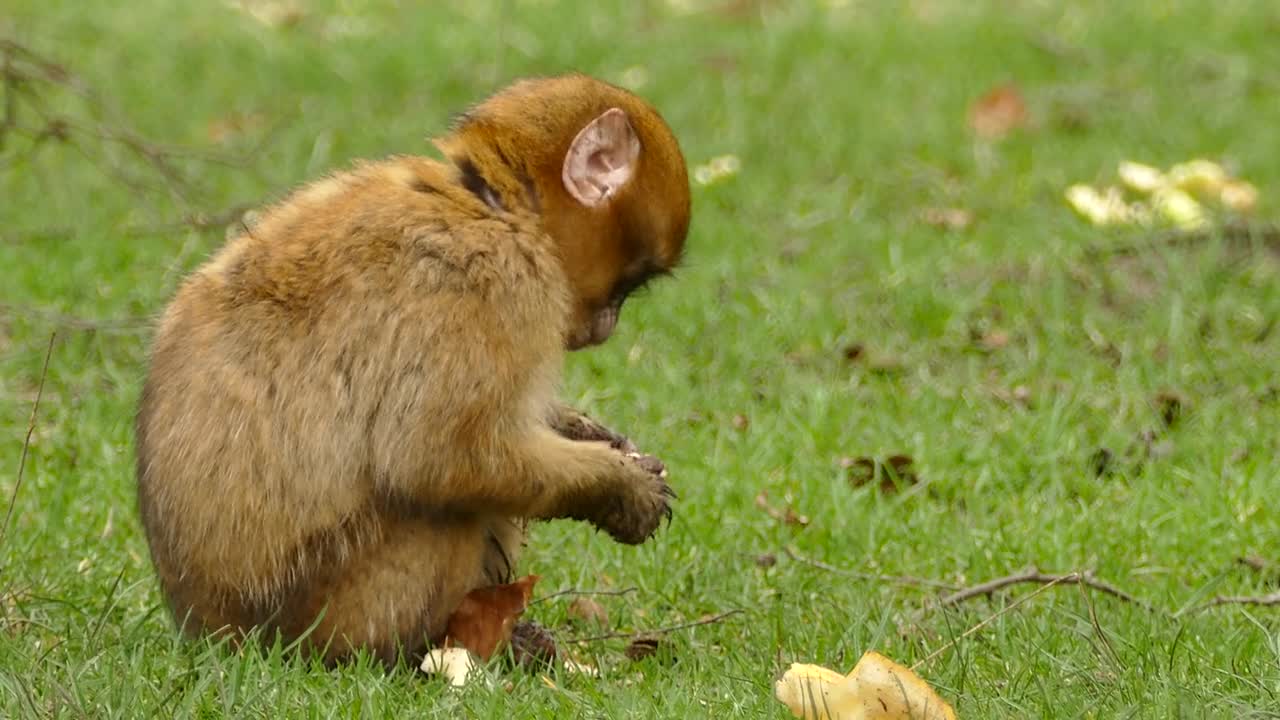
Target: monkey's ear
[{"x": 601, "y": 159}]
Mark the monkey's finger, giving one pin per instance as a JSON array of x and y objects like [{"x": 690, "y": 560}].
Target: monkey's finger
[{"x": 624, "y": 444}]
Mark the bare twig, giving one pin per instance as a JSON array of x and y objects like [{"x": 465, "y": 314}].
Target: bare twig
[
  {"x": 197, "y": 221},
  {"x": 28, "y": 81},
  {"x": 26, "y": 444},
  {"x": 1260, "y": 600},
  {"x": 1097, "y": 625},
  {"x": 575, "y": 591},
  {"x": 1035, "y": 576},
  {"x": 1232, "y": 232},
  {"x": 657, "y": 631},
  {"x": 987, "y": 621},
  {"x": 870, "y": 577},
  {"x": 71, "y": 322}
]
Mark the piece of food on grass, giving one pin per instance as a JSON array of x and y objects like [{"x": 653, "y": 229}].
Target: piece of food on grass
[
  {"x": 1179, "y": 208},
  {"x": 1239, "y": 196},
  {"x": 1203, "y": 178},
  {"x": 877, "y": 689},
  {"x": 1099, "y": 208},
  {"x": 1141, "y": 178},
  {"x": 456, "y": 665}
]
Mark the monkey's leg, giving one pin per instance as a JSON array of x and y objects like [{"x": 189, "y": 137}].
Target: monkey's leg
[{"x": 396, "y": 593}]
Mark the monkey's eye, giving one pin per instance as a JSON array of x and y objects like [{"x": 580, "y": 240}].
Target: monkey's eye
[{"x": 634, "y": 285}]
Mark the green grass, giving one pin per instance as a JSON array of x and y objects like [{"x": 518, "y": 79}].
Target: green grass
[{"x": 849, "y": 122}]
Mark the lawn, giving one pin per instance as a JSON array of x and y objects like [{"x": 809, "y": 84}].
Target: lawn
[{"x": 823, "y": 321}]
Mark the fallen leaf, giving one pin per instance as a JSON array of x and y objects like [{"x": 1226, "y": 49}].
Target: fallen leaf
[
  {"x": 642, "y": 648},
  {"x": 228, "y": 128},
  {"x": 587, "y": 610},
  {"x": 1255, "y": 562},
  {"x": 994, "y": 339},
  {"x": 896, "y": 471},
  {"x": 947, "y": 218},
  {"x": 1102, "y": 461},
  {"x": 1171, "y": 407},
  {"x": 877, "y": 689},
  {"x": 998, "y": 112},
  {"x": 486, "y": 617},
  {"x": 788, "y": 516},
  {"x": 717, "y": 169}
]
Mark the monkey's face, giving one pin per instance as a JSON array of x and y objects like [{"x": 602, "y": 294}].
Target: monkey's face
[
  {"x": 629, "y": 198},
  {"x": 595, "y": 319},
  {"x": 605, "y": 174}
]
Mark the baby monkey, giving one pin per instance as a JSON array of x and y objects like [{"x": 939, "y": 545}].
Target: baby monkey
[{"x": 350, "y": 412}]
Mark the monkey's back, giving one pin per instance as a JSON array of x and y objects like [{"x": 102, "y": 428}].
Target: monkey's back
[{"x": 303, "y": 367}]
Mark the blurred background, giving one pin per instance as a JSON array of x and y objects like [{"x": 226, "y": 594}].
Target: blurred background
[{"x": 901, "y": 346}]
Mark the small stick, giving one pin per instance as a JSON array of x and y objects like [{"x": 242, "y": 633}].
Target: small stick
[
  {"x": 895, "y": 579},
  {"x": 575, "y": 591},
  {"x": 1035, "y": 576},
  {"x": 657, "y": 631},
  {"x": 72, "y": 322},
  {"x": 26, "y": 444},
  {"x": 1059, "y": 579},
  {"x": 1258, "y": 600}
]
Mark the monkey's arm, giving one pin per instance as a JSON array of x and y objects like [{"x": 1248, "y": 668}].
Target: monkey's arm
[
  {"x": 543, "y": 475},
  {"x": 576, "y": 425}
]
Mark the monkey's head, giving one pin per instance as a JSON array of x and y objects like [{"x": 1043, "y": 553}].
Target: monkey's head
[{"x": 600, "y": 167}]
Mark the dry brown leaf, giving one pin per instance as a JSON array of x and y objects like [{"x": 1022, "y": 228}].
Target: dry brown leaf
[
  {"x": 947, "y": 218},
  {"x": 1171, "y": 407},
  {"x": 995, "y": 339},
  {"x": 642, "y": 647},
  {"x": 787, "y": 516},
  {"x": 487, "y": 615},
  {"x": 894, "y": 472},
  {"x": 998, "y": 112},
  {"x": 230, "y": 127},
  {"x": 588, "y": 610}
]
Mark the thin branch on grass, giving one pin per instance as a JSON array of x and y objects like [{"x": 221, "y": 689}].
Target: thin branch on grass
[
  {"x": 1035, "y": 576},
  {"x": 1233, "y": 232},
  {"x": 575, "y": 591},
  {"x": 987, "y": 621},
  {"x": 657, "y": 631},
  {"x": 26, "y": 444},
  {"x": 871, "y": 577},
  {"x": 71, "y": 322},
  {"x": 196, "y": 221},
  {"x": 28, "y": 79},
  {"x": 1258, "y": 600}
]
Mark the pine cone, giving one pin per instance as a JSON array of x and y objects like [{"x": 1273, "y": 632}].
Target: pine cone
[{"x": 532, "y": 645}]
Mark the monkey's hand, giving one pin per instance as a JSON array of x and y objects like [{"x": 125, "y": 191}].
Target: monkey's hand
[
  {"x": 643, "y": 500},
  {"x": 576, "y": 425}
]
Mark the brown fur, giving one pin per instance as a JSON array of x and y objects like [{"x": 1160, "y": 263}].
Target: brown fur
[{"x": 349, "y": 413}]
